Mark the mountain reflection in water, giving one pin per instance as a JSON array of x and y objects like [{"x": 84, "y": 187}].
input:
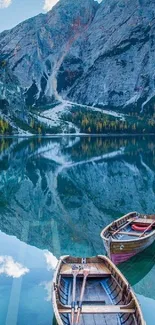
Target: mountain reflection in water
[{"x": 58, "y": 193}]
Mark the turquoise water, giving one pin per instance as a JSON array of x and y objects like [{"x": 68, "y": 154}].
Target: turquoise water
[{"x": 55, "y": 197}]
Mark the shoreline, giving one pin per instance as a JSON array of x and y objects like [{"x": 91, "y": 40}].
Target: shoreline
[{"x": 104, "y": 135}]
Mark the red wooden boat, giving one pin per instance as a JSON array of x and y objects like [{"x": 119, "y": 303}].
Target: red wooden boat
[{"x": 128, "y": 235}]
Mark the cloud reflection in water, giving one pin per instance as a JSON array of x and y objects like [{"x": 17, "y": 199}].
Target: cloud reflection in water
[{"x": 11, "y": 268}]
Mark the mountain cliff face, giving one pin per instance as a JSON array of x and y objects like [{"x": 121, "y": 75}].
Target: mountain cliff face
[
  {"x": 11, "y": 96},
  {"x": 119, "y": 58},
  {"x": 98, "y": 55},
  {"x": 36, "y": 48}
]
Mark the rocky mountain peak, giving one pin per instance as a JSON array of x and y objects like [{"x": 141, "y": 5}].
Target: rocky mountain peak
[
  {"x": 100, "y": 55},
  {"x": 36, "y": 47}
]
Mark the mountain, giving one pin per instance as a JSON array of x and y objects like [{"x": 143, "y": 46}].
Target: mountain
[
  {"x": 82, "y": 52},
  {"x": 36, "y": 48}
]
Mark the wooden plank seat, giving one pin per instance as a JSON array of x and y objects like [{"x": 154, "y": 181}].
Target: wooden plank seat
[
  {"x": 130, "y": 233},
  {"x": 97, "y": 269},
  {"x": 96, "y": 309},
  {"x": 142, "y": 221}
]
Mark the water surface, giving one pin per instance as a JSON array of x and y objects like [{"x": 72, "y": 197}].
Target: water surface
[{"x": 56, "y": 194}]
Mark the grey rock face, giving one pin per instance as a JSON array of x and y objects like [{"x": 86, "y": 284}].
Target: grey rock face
[
  {"x": 119, "y": 58},
  {"x": 101, "y": 55},
  {"x": 11, "y": 95},
  {"x": 36, "y": 48}
]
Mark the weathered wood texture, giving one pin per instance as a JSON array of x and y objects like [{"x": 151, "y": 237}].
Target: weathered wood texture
[
  {"x": 121, "y": 245},
  {"x": 107, "y": 299},
  {"x": 95, "y": 269}
]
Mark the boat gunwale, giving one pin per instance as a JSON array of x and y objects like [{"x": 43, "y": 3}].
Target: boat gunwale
[
  {"x": 113, "y": 240},
  {"x": 54, "y": 296}
]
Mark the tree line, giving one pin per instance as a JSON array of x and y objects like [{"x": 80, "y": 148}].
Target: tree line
[
  {"x": 5, "y": 127},
  {"x": 97, "y": 123}
]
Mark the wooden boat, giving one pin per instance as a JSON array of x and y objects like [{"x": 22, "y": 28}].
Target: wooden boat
[
  {"x": 128, "y": 236},
  {"x": 107, "y": 297}
]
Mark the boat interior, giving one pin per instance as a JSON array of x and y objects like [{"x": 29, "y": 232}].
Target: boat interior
[
  {"x": 107, "y": 299},
  {"x": 132, "y": 227}
]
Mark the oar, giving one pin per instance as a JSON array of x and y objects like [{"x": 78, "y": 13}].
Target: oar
[
  {"x": 85, "y": 274},
  {"x": 75, "y": 271},
  {"x": 147, "y": 229},
  {"x": 125, "y": 225},
  {"x": 122, "y": 227}
]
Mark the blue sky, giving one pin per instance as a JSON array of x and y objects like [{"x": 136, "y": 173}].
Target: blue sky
[{"x": 13, "y": 12}]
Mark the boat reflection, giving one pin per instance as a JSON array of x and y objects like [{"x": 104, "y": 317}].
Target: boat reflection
[{"x": 139, "y": 266}]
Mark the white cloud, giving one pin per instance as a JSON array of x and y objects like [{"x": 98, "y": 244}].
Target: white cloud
[
  {"x": 51, "y": 260},
  {"x": 48, "y": 287},
  {"x": 48, "y": 4},
  {"x": 5, "y": 3},
  {"x": 11, "y": 268}
]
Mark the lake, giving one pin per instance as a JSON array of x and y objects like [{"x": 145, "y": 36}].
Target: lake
[{"x": 56, "y": 194}]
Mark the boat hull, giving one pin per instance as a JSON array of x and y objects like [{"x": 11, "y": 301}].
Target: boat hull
[{"x": 121, "y": 251}]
